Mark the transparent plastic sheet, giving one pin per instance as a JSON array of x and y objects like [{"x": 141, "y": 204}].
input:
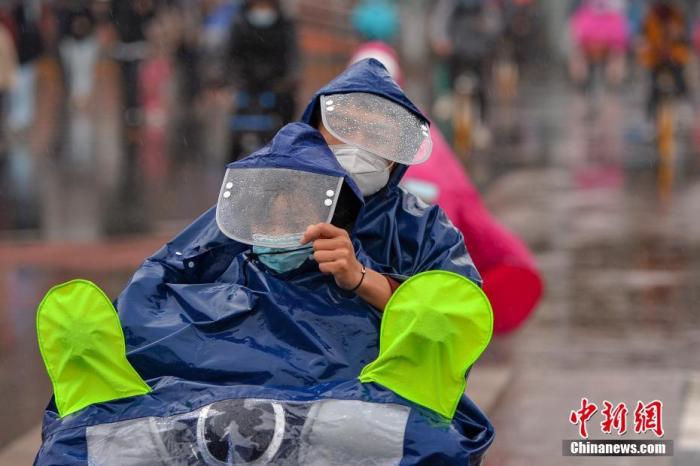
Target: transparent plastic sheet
[
  {"x": 272, "y": 207},
  {"x": 257, "y": 432},
  {"x": 377, "y": 125},
  {"x": 353, "y": 432}
]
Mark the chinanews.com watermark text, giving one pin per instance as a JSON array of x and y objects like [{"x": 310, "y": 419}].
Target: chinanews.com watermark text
[
  {"x": 646, "y": 418},
  {"x": 617, "y": 448}
]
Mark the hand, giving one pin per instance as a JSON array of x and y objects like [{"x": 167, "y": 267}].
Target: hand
[{"x": 335, "y": 254}]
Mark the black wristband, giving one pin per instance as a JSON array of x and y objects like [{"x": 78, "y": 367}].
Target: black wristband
[{"x": 364, "y": 272}]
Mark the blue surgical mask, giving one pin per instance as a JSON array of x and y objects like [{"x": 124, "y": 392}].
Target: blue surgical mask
[{"x": 282, "y": 260}]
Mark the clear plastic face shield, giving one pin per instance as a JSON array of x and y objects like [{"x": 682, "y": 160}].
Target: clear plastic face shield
[
  {"x": 377, "y": 125},
  {"x": 273, "y": 207}
]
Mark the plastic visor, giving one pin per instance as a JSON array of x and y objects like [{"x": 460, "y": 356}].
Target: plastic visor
[
  {"x": 257, "y": 432},
  {"x": 377, "y": 125},
  {"x": 274, "y": 206}
]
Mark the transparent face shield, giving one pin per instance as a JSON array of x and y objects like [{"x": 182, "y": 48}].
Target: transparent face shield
[
  {"x": 377, "y": 125},
  {"x": 272, "y": 207}
]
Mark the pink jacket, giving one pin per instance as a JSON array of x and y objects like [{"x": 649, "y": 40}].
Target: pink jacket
[{"x": 593, "y": 28}]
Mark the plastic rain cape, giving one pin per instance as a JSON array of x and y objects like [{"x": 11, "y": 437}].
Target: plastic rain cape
[{"x": 205, "y": 322}]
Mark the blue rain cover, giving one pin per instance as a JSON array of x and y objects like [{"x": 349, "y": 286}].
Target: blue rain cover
[{"x": 204, "y": 312}]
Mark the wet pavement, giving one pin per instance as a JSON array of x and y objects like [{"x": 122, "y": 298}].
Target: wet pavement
[
  {"x": 575, "y": 176},
  {"x": 621, "y": 259}
]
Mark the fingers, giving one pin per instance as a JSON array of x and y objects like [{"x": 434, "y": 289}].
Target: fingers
[
  {"x": 321, "y": 231},
  {"x": 340, "y": 265},
  {"x": 334, "y": 252},
  {"x": 332, "y": 255},
  {"x": 331, "y": 244}
]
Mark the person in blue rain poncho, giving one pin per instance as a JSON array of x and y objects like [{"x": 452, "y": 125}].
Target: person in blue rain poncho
[{"x": 318, "y": 314}]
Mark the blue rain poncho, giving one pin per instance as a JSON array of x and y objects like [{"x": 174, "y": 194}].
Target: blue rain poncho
[{"x": 206, "y": 323}]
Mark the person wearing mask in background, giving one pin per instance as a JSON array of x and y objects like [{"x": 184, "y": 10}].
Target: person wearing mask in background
[
  {"x": 665, "y": 49},
  {"x": 466, "y": 34},
  {"x": 263, "y": 63},
  {"x": 187, "y": 55},
  {"x": 79, "y": 51},
  {"x": 217, "y": 18},
  {"x": 29, "y": 46},
  {"x": 521, "y": 20},
  {"x": 131, "y": 18}
]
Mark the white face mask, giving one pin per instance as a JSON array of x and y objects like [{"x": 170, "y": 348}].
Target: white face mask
[
  {"x": 262, "y": 17},
  {"x": 370, "y": 172}
]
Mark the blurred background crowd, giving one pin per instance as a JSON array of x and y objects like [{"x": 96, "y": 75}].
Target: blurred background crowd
[
  {"x": 130, "y": 90},
  {"x": 577, "y": 120}
]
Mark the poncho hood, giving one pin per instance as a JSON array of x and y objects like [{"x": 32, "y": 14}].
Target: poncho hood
[{"x": 372, "y": 77}]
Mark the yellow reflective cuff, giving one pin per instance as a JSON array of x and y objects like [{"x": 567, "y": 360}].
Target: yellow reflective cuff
[
  {"x": 435, "y": 326},
  {"x": 82, "y": 345}
]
